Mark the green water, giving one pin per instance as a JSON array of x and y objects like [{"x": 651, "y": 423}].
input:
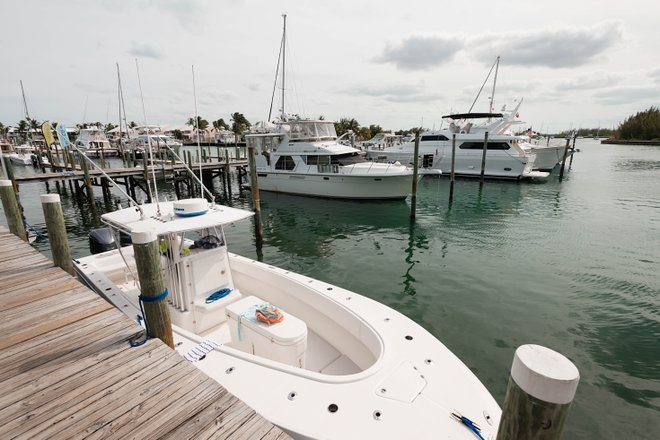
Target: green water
[{"x": 571, "y": 265}]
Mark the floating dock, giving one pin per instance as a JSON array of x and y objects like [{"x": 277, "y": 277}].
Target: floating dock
[{"x": 67, "y": 370}]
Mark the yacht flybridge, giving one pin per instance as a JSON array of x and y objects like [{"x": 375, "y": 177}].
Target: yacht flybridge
[
  {"x": 505, "y": 157},
  {"x": 330, "y": 364},
  {"x": 303, "y": 156}
]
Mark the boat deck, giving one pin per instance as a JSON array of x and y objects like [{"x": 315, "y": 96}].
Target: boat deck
[{"x": 66, "y": 369}]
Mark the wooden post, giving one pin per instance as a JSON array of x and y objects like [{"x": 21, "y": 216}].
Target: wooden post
[
  {"x": 413, "y": 200},
  {"x": 10, "y": 174},
  {"x": 12, "y": 209},
  {"x": 570, "y": 162},
  {"x": 452, "y": 176},
  {"x": 227, "y": 171},
  {"x": 483, "y": 159},
  {"x": 541, "y": 388},
  {"x": 150, "y": 274},
  {"x": 59, "y": 244},
  {"x": 563, "y": 161},
  {"x": 89, "y": 189},
  {"x": 254, "y": 187}
]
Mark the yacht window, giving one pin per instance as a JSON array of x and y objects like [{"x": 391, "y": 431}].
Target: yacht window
[
  {"x": 318, "y": 160},
  {"x": 348, "y": 159},
  {"x": 285, "y": 163},
  {"x": 480, "y": 146},
  {"x": 434, "y": 137}
]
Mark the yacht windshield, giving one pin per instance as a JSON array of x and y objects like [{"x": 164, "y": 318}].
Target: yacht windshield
[{"x": 310, "y": 130}]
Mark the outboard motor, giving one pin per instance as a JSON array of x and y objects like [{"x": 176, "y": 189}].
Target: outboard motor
[{"x": 101, "y": 240}]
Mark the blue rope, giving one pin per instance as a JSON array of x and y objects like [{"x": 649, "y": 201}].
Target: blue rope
[
  {"x": 33, "y": 229},
  {"x": 470, "y": 424},
  {"x": 144, "y": 317},
  {"x": 217, "y": 295}
]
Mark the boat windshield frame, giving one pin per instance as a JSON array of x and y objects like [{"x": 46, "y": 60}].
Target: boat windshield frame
[{"x": 306, "y": 131}]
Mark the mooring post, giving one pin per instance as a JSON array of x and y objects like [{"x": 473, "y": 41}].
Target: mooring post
[
  {"x": 10, "y": 175},
  {"x": 563, "y": 161},
  {"x": 89, "y": 189},
  {"x": 59, "y": 244},
  {"x": 227, "y": 170},
  {"x": 413, "y": 200},
  {"x": 12, "y": 209},
  {"x": 570, "y": 162},
  {"x": 254, "y": 187},
  {"x": 540, "y": 391},
  {"x": 152, "y": 287},
  {"x": 483, "y": 159},
  {"x": 452, "y": 176}
]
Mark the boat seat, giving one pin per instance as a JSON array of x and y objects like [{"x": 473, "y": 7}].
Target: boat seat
[{"x": 213, "y": 314}]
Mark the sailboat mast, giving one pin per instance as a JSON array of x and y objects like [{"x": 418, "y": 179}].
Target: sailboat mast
[
  {"x": 121, "y": 147},
  {"x": 283, "y": 61},
  {"x": 25, "y": 107},
  {"x": 492, "y": 95}
]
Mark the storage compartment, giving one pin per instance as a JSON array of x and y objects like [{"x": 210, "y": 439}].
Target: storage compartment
[{"x": 284, "y": 342}]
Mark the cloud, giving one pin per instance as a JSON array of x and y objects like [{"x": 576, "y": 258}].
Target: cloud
[
  {"x": 395, "y": 93},
  {"x": 626, "y": 95},
  {"x": 144, "y": 50},
  {"x": 655, "y": 74},
  {"x": 554, "y": 48},
  {"x": 421, "y": 52},
  {"x": 593, "y": 80},
  {"x": 215, "y": 98}
]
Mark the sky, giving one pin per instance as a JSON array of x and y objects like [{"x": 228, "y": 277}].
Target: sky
[{"x": 578, "y": 63}]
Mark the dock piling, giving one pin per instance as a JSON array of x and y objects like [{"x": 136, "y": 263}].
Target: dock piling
[
  {"x": 89, "y": 189},
  {"x": 12, "y": 209},
  {"x": 563, "y": 161},
  {"x": 152, "y": 286},
  {"x": 483, "y": 159},
  {"x": 59, "y": 243},
  {"x": 413, "y": 199},
  {"x": 254, "y": 187},
  {"x": 541, "y": 388},
  {"x": 452, "y": 176}
]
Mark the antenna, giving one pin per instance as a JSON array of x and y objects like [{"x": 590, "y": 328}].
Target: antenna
[
  {"x": 199, "y": 148},
  {"x": 151, "y": 156}
]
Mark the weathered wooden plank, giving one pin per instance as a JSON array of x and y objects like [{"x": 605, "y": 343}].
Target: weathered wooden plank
[
  {"x": 47, "y": 321},
  {"x": 30, "y": 354},
  {"x": 159, "y": 420},
  {"x": 33, "y": 293},
  {"x": 117, "y": 392},
  {"x": 127, "y": 418},
  {"x": 209, "y": 416},
  {"x": 50, "y": 396},
  {"x": 44, "y": 375}
]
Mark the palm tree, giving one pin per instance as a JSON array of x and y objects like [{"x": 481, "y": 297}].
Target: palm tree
[
  {"x": 22, "y": 128},
  {"x": 220, "y": 124},
  {"x": 239, "y": 124},
  {"x": 346, "y": 124},
  {"x": 201, "y": 122}
]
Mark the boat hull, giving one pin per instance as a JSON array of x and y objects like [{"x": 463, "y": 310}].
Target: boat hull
[
  {"x": 339, "y": 186},
  {"x": 547, "y": 158},
  {"x": 499, "y": 165}
]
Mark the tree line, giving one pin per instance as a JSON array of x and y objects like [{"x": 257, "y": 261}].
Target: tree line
[{"x": 642, "y": 126}]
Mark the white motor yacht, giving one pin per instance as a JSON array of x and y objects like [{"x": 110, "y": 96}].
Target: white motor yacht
[
  {"x": 328, "y": 364},
  {"x": 92, "y": 138},
  {"x": 505, "y": 157},
  {"x": 22, "y": 155},
  {"x": 547, "y": 157},
  {"x": 303, "y": 156}
]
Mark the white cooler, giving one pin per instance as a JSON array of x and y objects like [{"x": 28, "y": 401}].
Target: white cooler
[{"x": 284, "y": 342}]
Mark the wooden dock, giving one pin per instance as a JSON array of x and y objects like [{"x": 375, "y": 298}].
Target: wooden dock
[
  {"x": 161, "y": 170},
  {"x": 67, "y": 370}
]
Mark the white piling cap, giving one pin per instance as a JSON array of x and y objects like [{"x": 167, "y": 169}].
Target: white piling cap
[
  {"x": 545, "y": 374},
  {"x": 5, "y": 182},
  {"x": 143, "y": 236},
  {"x": 50, "y": 198}
]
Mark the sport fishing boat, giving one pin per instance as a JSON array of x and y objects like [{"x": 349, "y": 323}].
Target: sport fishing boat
[
  {"x": 92, "y": 138},
  {"x": 22, "y": 155},
  {"x": 317, "y": 360},
  {"x": 505, "y": 157},
  {"x": 303, "y": 156},
  {"x": 547, "y": 157}
]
